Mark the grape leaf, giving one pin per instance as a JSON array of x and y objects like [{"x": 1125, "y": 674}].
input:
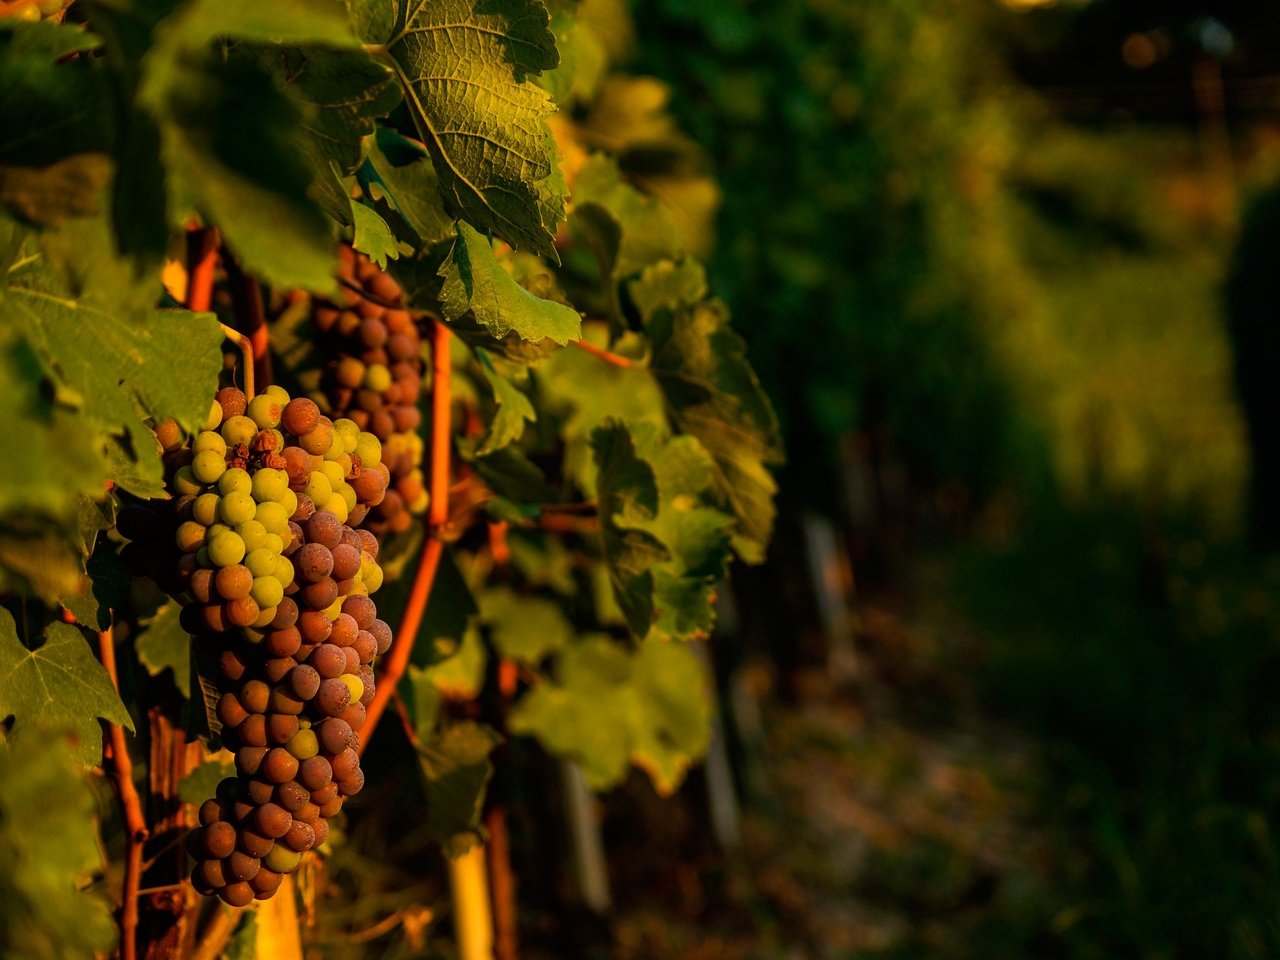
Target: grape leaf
[
  {"x": 245, "y": 170},
  {"x": 372, "y": 236},
  {"x": 199, "y": 785},
  {"x": 463, "y": 67},
  {"x": 476, "y": 283},
  {"x": 106, "y": 583},
  {"x": 714, "y": 395},
  {"x": 400, "y": 175},
  {"x": 57, "y": 685},
  {"x": 456, "y": 767},
  {"x": 162, "y": 644},
  {"x": 666, "y": 546},
  {"x": 627, "y": 230},
  {"x": 512, "y": 410},
  {"x": 49, "y": 845},
  {"x": 522, "y": 628},
  {"x": 608, "y": 707}
]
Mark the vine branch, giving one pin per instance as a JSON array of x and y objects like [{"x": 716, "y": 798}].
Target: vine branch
[
  {"x": 615, "y": 359},
  {"x": 433, "y": 547},
  {"x": 134, "y": 820}
]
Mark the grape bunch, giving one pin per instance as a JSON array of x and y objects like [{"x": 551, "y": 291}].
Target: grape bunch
[
  {"x": 374, "y": 377},
  {"x": 31, "y": 10},
  {"x": 275, "y": 572}
]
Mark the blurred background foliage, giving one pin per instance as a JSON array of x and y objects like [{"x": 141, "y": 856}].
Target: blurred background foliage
[{"x": 1009, "y": 272}]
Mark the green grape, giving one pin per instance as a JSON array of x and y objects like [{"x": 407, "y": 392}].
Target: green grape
[
  {"x": 226, "y": 549},
  {"x": 284, "y": 571},
  {"x": 318, "y": 488},
  {"x": 333, "y": 473},
  {"x": 348, "y": 495},
  {"x": 275, "y": 543},
  {"x": 205, "y": 509},
  {"x": 265, "y": 616},
  {"x": 373, "y": 578},
  {"x": 190, "y": 536},
  {"x": 336, "y": 448},
  {"x": 209, "y": 440},
  {"x": 279, "y": 393},
  {"x": 377, "y": 377},
  {"x": 272, "y": 516},
  {"x": 267, "y": 592},
  {"x": 238, "y": 430},
  {"x": 184, "y": 482},
  {"x": 217, "y": 528},
  {"x": 215, "y": 416},
  {"x": 235, "y": 480},
  {"x": 354, "y": 684},
  {"x": 369, "y": 450},
  {"x": 264, "y": 410},
  {"x": 262, "y": 562},
  {"x": 349, "y": 432},
  {"x": 236, "y": 508},
  {"x": 208, "y": 466},
  {"x": 303, "y": 745},
  {"x": 337, "y": 506},
  {"x": 281, "y": 859},
  {"x": 269, "y": 484},
  {"x": 289, "y": 501},
  {"x": 278, "y": 437},
  {"x": 253, "y": 534}
]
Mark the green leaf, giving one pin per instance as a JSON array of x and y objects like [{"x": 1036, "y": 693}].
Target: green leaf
[
  {"x": 245, "y": 170},
  {"x": 400, "y": 175},
  {"x": 609, "y": 707},
  {"x": 463, "y": 68},
  {"x": 665, "y": 545},
  {"x": 512, "y": 410},
  {"x": 372, "y": 235},
  {"x": 199, "y": 785},
  {"x": 627, "y": 230},
  {"x": 476, "y": 283},
  {"x": 49, "y": 844},
  {"x": 714, "y": 395},
  {"x": 583, "y": 61},
  {"x": 456, "y": 768},
  {"x": 58, "y": 685},
  {"x": 106, "y": 584},
  {"x": 524, "y": 629},
  {"x": 162, "y": 644}
]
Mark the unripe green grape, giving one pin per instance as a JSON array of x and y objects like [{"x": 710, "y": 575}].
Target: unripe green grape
[
  {"x": 239, "y": 430},
  {"x": 304, "y": 745},
  {"x": 318, "y": 488},
  {"x": 334, "y": 610},
  {"x": 377, "y": 377},
  {"x": 235, "y": 480},
  {"x": 253, "y": 534},
  {"x": 205, "y": 509},
  {"x": 354, "y": 684},
  {"x": 236, "y": 508},
  {"x": 333, "y": 473},
  {"x": 281, "y": 859},
  {"x": 372, "y": 578},
  {"x": 217, "y": 528},
  {"x": 289, "y": 501},
  {"x": 265, "y": 615},
  {"x": 267, "y": 592},
  {"x": 185, "y": 483},
  {"x": 207, "y": 467},
  {"x": 269, "y": 484},
  {"x": 209, "y": 440},
  {"x": 262, "y": 561},
  {"x": 284, "y": 571},
  {"x": 349, "y": 432},
  {"x": 338, "y": 507},
  {"x": 226, "y": 549},
  {"x": 190, "y": 536},
  {"x": 215, "y": 416},
  {"x": 278, "y": 392},
  {"x": 336, "y": 448},
  {"x": 202, "y": 556},
  {"x": 348, "y": 495},
  {"x": 264, "y": 410},
  {"x": 275, "y": 543},
  {"x": 369, "y": 449},
  {"x": 272, "y": 516}
]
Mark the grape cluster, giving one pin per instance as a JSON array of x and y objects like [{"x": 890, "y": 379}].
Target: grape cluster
[
  {"x": 32, "y": 10},
  {"x": 374, "y": 377},
  {"x": 275, "y": 571}
]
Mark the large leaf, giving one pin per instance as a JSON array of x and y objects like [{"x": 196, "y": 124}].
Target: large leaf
[
  {"x": 456, "y": 767},
  {"x": 464, "y": 69},
  {"x": 665, "y": 545},
  {"x": 512, "y": 410},
  {"x": 525, "y": 629},
  {"x": 400, "y": 174},
  {"x": 627, "y": 230},
  {"x": 609, "y": 706},
  {"x": 57, "y": 685},
  {"x": 49, "y": 846},
  {"x": 475, "y": 282},
  {"x": 162, "y": 644},
  {"x": 713, "y": 394},
  {"x": 247, "y": 171}
]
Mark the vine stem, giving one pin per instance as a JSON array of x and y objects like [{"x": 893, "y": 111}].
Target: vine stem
[
  {"x": 615, "y": 359},
  {"x": 433, "y": 547},
  {"x": 217, "y": 933},
  {"x": 246, "y": 295},
  {"x": 134, "y": 819},
  {"x": 202, "y": 262}
]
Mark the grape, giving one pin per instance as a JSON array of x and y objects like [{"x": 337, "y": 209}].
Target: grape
[
  {"x": 209, "y": 441},
  {"x": 292, "y": 796},
  {"x": 242, "y": 612},
  {"x": 231, "y": 713},
  {"x": 215, "y": 619},
  {"x": 282, "y": 860},
  {"x": 252, "y": 731},
  {"x": 272, "y": 820},
  {"x": 354, "y": 715},
  {"x": 267, "y": 591},
  {"x": 220, "y": 839},
  {"x": 301, "y": 836},
  {"x": 253, "y": 843},
  {"x": 210, "y": 812},
  {"x": 297, "y": 465},
  {"x": 272, "y": 516},
  {"x": 350, "y": 786},
  {"x": 304, "y": 745},
  {"x": 190, "y": 537},
  {"x": 265, "y": 882},
  {"x": 283, "y": 701},
  {"x": 314, "y": 562},
  {"x": 319, "y": 439},
  {"x": 351, "y": 664},
  {"x": 382, "y": 633},
  {"x": 331, "y": 808},
  {"x": 270, "y": 484},
  {"x": 335, "y": 735},
  {"x": 345, "y": 561},
  {"x": 315, "y": 626},
  {"x": 238, "y": 430},
  {"x": 211, "y": 872},
  {"x": 279, "y": 765},
  {"x": 300, "y": 416},
  {"x": 333, "y": 697},
  {"x": 232, "y": 401},
  {"x": 233, "y": 582},
  {"x": 365, "y": 646},
  {"x": 254, "y": 535},
  {"x": 265, "y": 411},
  {"x": 249, "y": 760},
  {"x": 286, "y": 613},
  {"x": 214, "y": 417},
  {"x": 208, "y": 466},
  {"x": 205, "y": 509},
  {"x": 328, "y": 661},
  {"x": 184, "y": 482},
  {"x": 321, "y": 828},
  {"x": 284, "y": 643},
  {"x": 277, "y": 668},
  {"x": 314, "y": 772},
  {"x": 368, "y": 543},
  {"x": 281, "y": 727},
  {"x": 240, "y": 866},
  {"x": 305, "y": 681},
  {"x": 350, "y": 372},
  {"x": 321, "y": 594}
]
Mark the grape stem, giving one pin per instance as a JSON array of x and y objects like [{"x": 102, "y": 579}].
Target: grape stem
[
  {"x": 246, "y": 356},
  {"x": 202, "y": 262},
  {"x": 433, "y": 547},
  {"x": 615, "y": 359},
  {"x": 246, "y": 296},
  {"x": 135, "y": 821}
]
